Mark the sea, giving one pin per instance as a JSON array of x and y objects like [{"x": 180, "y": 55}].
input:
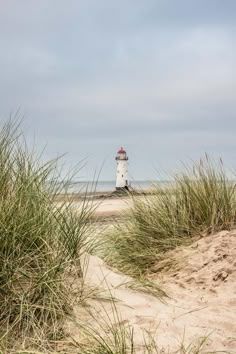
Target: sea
[{"x": 105, "y": 186}]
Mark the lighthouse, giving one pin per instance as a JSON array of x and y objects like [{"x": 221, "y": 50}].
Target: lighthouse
[{"x": 122, "y": 170}]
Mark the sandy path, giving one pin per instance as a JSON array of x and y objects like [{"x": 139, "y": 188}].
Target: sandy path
[{"x": 198, "y": 306}]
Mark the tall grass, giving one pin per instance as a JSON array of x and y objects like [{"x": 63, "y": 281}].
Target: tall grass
[
  {"x": 40, "y": 242},
  {"x": 202, "y": 200},
  {"x": 108, "y": 334}
]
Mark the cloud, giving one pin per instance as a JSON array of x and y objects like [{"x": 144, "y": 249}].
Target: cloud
[{"x": 92, "y": 75}]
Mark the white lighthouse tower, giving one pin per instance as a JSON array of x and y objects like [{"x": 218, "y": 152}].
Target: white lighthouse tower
[{"x": 122, "y": 170}]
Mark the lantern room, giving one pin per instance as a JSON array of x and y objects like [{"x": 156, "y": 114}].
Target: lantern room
[{"x": 121, "y": 154}]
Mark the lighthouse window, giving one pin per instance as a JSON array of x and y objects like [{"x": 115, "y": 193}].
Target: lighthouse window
[{"x": 122, "y": 175}]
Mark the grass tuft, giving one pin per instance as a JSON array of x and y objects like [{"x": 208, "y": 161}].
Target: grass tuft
[{"x": 40, "y": 243}]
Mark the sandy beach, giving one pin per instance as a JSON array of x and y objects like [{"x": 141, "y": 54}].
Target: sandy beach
[
  {"x": 112, "y": 207},
  {"x": 105, "y": 207}
]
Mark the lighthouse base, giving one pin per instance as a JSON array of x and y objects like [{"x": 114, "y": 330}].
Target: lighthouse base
[{"x": 126, "y": 188}]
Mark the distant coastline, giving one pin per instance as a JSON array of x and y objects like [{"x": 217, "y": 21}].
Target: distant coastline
[{"x": 91, "y": 187}]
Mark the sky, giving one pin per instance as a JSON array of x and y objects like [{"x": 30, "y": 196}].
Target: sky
[{"x": 157, "y": 77}]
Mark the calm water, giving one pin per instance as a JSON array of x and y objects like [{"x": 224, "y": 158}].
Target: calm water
[{"x": 106, "y": 186}]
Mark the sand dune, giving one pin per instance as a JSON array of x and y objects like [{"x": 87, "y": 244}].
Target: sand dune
[{"x": 202, "y": 297}]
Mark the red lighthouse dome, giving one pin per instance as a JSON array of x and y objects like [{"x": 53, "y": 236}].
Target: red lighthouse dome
[{"x": 121, "y": 151}]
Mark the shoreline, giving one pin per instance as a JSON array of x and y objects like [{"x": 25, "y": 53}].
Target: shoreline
[{"x": 78, "y": 196}]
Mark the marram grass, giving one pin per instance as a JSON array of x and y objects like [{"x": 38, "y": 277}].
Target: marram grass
[
  {"x": 200, "y": 201},
  {"x": 39, "y": 244}
]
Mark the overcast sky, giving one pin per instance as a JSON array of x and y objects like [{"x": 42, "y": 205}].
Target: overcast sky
[{"x": 156, "y": 77}]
